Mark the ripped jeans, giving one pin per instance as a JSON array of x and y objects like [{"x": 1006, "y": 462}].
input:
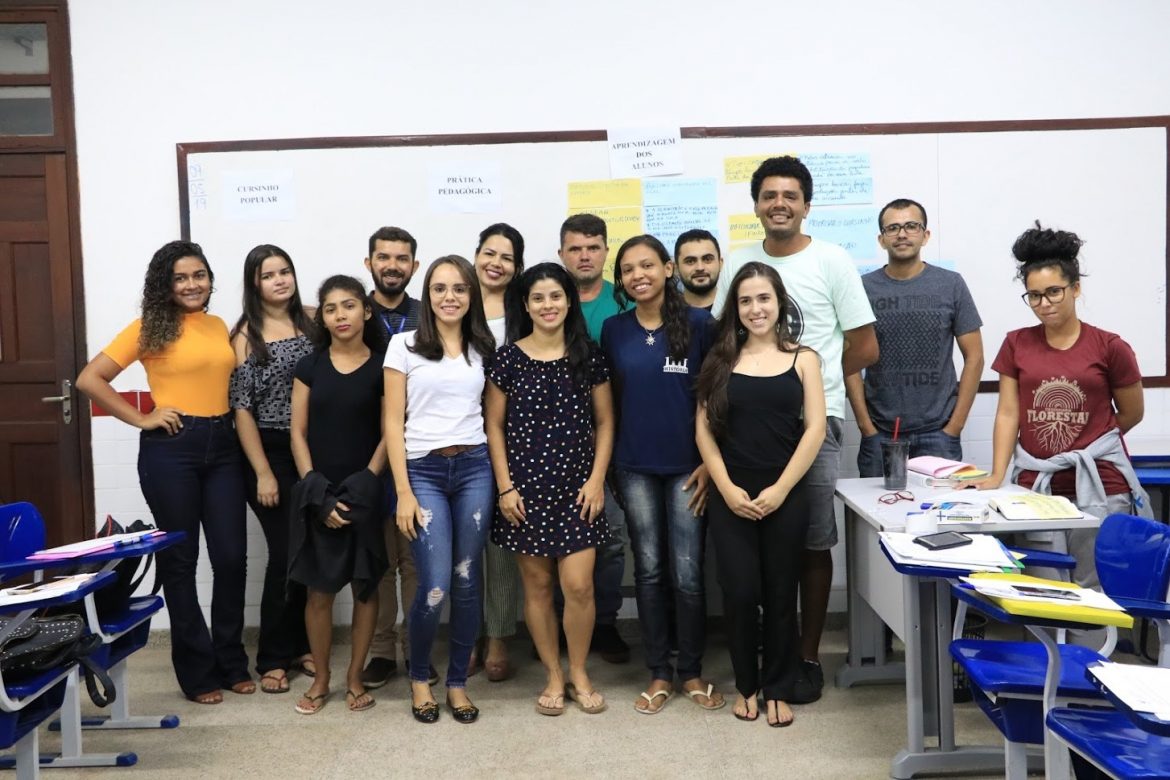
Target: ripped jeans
[{"x": 456, "y": 497}]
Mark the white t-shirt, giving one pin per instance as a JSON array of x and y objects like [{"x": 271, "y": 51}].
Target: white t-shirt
[
  {"x": 496, "y": 326},
  {"x": 826, "y": 298},
  {"x": 444, "y": 398}
]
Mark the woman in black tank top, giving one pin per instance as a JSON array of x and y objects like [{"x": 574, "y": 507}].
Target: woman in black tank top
[{"x": 760, "y": 423}]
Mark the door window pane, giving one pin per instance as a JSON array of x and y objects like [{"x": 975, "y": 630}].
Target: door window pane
[
  {"x": 26, "y": 111},
  {"x": 24, "y": 49}
]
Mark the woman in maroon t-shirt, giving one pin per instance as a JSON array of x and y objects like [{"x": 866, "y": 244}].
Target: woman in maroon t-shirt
[{"x": 1063, "y": 384}]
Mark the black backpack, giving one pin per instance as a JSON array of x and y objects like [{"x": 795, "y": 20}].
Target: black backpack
[
  {"x": 46, "y": 643},
  {"x": 129, "y": 573}
]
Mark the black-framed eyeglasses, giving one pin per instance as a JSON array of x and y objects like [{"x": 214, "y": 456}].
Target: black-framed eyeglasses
[
  {"x": 896, "y": 496},
  {"x": 911, "y": 228},
  {"x": 1054, "y": 294},
  {"x": 460, "y": 290}
]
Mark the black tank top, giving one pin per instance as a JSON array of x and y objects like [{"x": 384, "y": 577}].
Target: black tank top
[{"x": 764, "y": 420}]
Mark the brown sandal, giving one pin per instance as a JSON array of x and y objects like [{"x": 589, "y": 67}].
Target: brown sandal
[{"x": 244, "y": 687}]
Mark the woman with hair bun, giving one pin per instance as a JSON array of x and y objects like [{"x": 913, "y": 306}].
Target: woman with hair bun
[
  {"x": 1068, "y": 391},
  {"x": 189, "y": 464}
]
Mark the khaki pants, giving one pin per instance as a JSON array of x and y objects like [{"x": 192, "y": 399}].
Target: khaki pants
[{"x": 385, "y": 640}]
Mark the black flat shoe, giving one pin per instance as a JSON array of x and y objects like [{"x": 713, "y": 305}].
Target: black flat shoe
[
  {"x": 467, "y": 713},
  {"x": 425, "y": 713}
]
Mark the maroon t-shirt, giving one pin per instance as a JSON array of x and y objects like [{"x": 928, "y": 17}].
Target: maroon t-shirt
[{"x": 1066, "y": 396}]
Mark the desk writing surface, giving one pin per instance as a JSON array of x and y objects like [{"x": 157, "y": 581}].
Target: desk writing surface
[{"x": 861, "y": 495}]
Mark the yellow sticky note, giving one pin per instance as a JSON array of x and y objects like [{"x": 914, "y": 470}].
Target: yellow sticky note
[
  {"x": 592, "y": 195},
  {"x": 744, "y": 228},
  {"x": 739, "y": 169}
]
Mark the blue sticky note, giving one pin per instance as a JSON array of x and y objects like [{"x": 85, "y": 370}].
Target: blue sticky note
[
  {"x": 679, "y": 192},
  {"x": 840, "y": 177},
  {"x": 854, "y": 228},
  {"x": 666, "y": 223}
]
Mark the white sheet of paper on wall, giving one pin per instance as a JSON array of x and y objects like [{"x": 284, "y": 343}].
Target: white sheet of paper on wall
[
  {"x": 466, "y": 187},
  {"x": 259, "y": 195}
]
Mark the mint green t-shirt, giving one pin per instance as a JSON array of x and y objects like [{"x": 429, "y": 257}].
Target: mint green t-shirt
[
  {"x": 827, "y": 299},
  {"x": 600, "y": 309}
]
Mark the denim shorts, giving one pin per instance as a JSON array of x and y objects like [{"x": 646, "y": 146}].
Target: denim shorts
[{"x": 820, "y": 486}]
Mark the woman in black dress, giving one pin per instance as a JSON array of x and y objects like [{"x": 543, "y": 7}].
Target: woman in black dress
[
  {"x": 549, "y": 421},
  {"x": 336, "y": 535},
  {"x": 760, "y": 423}
]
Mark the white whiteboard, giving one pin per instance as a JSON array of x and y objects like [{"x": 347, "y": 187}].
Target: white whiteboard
[{"x": 981, "y": 190}]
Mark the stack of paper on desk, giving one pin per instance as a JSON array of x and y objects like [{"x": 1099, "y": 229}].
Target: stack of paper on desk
[
  {"x": 35, "y": 591},
  {"x": 1021, "y": 594},
  {"x": 101, "y": 544},
  {"x": 985, "y": 553},
  {"x": 1142, "y": 688}
]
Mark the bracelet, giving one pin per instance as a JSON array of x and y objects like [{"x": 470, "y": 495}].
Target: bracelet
[{"x": 503, "y": 493}]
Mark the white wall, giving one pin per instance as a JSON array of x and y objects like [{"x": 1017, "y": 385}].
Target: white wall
[{"x": 149, "y": 75}]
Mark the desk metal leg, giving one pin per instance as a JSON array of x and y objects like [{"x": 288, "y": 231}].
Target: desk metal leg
[
  {"x": 867, "y": 639},
  {"x": 72, "y": 754},
  {"x": 929, "y": 683},
  {"x": 1056, "y": 761}
]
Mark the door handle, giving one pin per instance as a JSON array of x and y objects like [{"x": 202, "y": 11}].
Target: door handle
[{"x": 65, "y": 399}]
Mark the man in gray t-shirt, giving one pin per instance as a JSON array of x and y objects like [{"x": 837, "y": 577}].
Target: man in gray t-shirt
[{"x": 922, "y": 311}]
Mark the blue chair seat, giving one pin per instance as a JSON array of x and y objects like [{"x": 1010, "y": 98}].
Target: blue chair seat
[
  {"x": 1112, "y": 741},
  {"x": 131, "y": 625},
  {"x": 1018, "y": 668},
  {"x": 15, "y": 725}
]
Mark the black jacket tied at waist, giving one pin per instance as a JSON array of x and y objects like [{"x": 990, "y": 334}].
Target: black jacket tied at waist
[{"x": 327, "y": 559}]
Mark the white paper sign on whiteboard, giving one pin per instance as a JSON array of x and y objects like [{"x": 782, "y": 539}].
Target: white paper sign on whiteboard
[
  {"x": 259, "y": 195},
  {"x": 467, "y": 187}
]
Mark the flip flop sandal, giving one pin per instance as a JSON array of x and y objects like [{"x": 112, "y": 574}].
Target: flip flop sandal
[
  {"x": 551, "y": 711},
  {"x": 650, "y": 697},
  {"x": 748, "y": 717},
  {"x": 353, "y": 698},
  {"x": 316, "y": 703},
  {"x": 305, "y": 670},
  {"x": 579, "y": 698},
  {"x": 243, "y": 687},
  {"x": 707, "y": 693},
  {"x": 281, "y": 681},
  {"x": 782, "y": 724}
]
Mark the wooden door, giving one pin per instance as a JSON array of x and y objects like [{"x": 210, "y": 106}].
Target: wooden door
[{"x": 40, "y": 440}]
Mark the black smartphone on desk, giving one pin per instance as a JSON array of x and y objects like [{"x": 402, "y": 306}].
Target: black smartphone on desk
[{"x": 943, "y": 541}]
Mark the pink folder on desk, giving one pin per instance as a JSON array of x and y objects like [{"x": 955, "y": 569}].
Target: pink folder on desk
[{"x": 943, "y": 468}]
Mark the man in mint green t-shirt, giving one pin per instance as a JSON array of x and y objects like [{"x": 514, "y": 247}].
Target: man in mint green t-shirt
[
  {"x": 584, "y": 247},
  {"x": 829, "y": 312}
]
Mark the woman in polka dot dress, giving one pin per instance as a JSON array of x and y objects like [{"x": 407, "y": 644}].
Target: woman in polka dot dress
[{"x": 549, "y": 421}]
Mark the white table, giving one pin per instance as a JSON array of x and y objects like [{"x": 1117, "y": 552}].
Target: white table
[{"x": 919, "y": 612}]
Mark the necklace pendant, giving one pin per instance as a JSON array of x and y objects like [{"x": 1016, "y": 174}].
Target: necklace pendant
[{"x": 650, "y": 339}]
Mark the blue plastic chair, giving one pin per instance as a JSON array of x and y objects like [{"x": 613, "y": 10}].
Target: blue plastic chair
[
  {"x": 122, "y": 634},
  {"x": 1111, "y": 742},
  {"x": 27, "y": 703},
  {"x": 1007, "y": 678},
  {"x": 22, "y": 529}
]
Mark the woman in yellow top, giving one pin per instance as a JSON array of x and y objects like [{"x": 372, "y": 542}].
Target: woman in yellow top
[{"x": 189, "y": 462}]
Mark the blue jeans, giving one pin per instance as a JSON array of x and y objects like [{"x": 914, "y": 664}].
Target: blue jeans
[
  {"x": 455, "y": 496},
  {"x": 191, "y": 480},
  {"x": 667, "y": 540},
  {"x": 937, "y": 443}
]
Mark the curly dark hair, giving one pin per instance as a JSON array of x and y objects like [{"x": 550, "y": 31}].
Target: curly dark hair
[
  {"x": 1041, "y": 247},
  {"x": 674, "y": 305},
  {"x": 730, "y": 335},
  {"x": 787, "y": 166},
  {"x": 577, "y": 344},
  {"x": 162, "y": 317},
  {"x": 253, "y": 306},
  {"x": 474, "y": 329}
]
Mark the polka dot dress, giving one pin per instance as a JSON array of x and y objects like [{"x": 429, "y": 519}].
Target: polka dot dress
[{"x": 549, "y": 434}]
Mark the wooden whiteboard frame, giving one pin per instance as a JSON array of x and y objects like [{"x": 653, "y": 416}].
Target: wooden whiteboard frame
[{"x": 182, "y": 150}]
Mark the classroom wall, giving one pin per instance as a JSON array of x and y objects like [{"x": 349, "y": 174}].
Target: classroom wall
[{"x": 150, "y": 75}]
